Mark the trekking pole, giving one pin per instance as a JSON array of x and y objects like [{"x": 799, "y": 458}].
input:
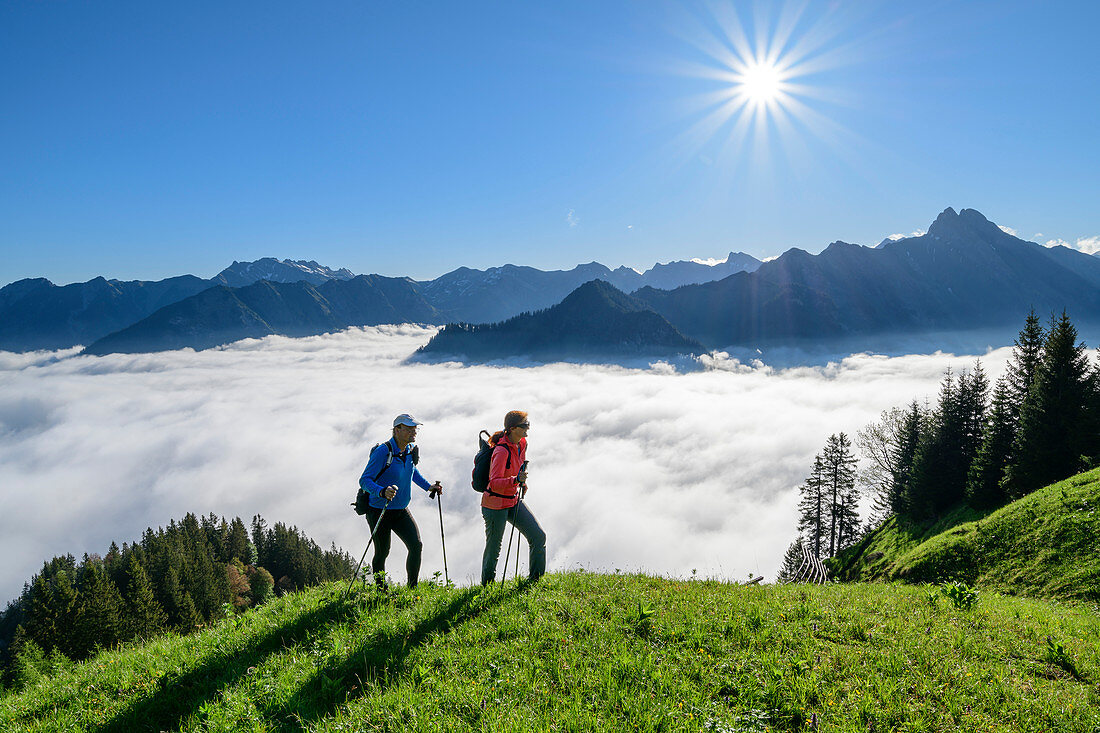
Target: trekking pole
[
  {"x": 515, "y": 514},
  {"x": 442, "y": 537},
  {"x": 373, "y": 531},
  {"x": 508, "y": 552},
  {"x": 519, "y": 542}
]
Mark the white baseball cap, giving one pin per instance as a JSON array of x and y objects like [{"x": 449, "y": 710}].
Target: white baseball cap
[{"x": 405, "y": 419}]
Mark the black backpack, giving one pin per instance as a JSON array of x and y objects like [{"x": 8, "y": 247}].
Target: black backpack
[
  {"x": 362, "y": 498},
  {"x": 480, "y": 475}
]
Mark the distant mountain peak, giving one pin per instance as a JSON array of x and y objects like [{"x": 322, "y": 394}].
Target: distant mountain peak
[
  {"x": 600, "y": 294},
  {"x": 595, "y": 318},
  {"x": 965, "y": 224},
  {"x": 241, "y": 274}
]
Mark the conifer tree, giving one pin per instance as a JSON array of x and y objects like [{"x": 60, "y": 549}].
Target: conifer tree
[
  {"x": 114, "y": 563},
  {"x": 840, "y": 491},
  {"x": 912, "y": 430},
  {"x": 1052, "y": 438},
  {"x": 238, "y": 544},
  {"x": 1092, "y": 416},
  {"x": 973, "y": 405},
  {"x": 99, "y": 616},
  {"x": 259, "y": 539},
  {"x": 1026, "y": 356},
  {"x": 42, "y": 621},
  {"x": 948, "y": 448},
  {"x": 813, "y": 509},
  {"x": 179, "y": 605},
  {"x": 145, "y": 617},
  {"x": 985, "y": 487},
  {"x": 792, "y": 562},
  {"x": 218, "y": 537},
  {"x": 51, "y": 616}
]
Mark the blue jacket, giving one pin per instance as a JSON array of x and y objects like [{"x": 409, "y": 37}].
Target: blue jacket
[{"x": 400, "y": 473}]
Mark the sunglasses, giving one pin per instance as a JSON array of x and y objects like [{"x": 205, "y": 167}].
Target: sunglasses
[{"x": 524, "y": 425}]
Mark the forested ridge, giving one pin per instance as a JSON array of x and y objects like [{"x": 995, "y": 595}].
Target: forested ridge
[
  {"x": 176, "y": 578},
  {"x": 976, "y": 448}
]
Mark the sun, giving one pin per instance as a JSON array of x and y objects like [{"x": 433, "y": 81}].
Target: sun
[
  {"x": 769, "y": 71},
  {"x": 760, "y": 82}
]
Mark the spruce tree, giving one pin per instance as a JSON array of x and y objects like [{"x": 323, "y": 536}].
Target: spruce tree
[
  {"x": 1092, "y": 417},
  {"x": 42, "y": 620},
  {"x": 259, "y": 539},
  {"x": 985, "y": 487},
  {"x": 792, "y": 563},
  {"x": 238, "y": 545},
  {"x": 973, "y": 406},
  {"x": 840, "y": 479},
  {"x": 145, "y": 617},
  {"x": 1026, "y": 356},
  {"x": 51, "y": 616},
  {"x": 99, "y": 619},
  {"x": 813, "y": 509},
  {"x": 948, "y": 447},
  {"x": 911, "y": 431},
  {"x": 219, "y": 539},
  {"x": 1054, "y": 420},
  {"x": 178, "y": 603},
  {"x": 849, "y": 530}
]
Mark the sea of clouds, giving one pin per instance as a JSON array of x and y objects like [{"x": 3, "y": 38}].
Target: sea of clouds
[{"x": 661, "y": 469}]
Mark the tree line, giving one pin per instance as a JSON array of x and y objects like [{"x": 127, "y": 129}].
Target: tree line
[
  {"x": 975, "y": 447},
  {"x": 179, "y": 578}
]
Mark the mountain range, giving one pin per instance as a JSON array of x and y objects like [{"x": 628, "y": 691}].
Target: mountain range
[
  {"x": 302, "y": 297},
  {"x": 964, "y": 273}
]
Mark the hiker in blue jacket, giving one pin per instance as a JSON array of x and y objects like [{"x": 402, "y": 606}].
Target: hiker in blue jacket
[{"x": 388, "y": 479}]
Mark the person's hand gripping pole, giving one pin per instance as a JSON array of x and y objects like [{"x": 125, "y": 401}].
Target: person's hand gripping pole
[{"x": 389, "y": 492}]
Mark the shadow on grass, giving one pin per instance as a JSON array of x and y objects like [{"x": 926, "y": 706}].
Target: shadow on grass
[
  {"x": 381, "y": 658},
  {"x": 181, "y": 696}
]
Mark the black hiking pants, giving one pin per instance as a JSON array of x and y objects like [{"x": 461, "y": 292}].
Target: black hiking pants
[{"x": 401, "y": 523}]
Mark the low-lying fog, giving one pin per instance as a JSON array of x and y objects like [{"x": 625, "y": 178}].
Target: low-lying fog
[{"x": 655, "y": 469}]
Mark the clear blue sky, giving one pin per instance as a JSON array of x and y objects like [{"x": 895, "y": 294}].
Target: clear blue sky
[{"x": 143, "y": 140}]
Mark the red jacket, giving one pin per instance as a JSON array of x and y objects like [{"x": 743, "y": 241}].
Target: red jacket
[{"x": 503, "y": 469}]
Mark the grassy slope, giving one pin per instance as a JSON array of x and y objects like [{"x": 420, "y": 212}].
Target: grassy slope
[
  {"x": 581, "y": 652},
  {"x": 1042, "y": 545}
]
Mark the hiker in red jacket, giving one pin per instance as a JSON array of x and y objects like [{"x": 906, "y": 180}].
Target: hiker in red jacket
[{"x": 502, "y": 501}]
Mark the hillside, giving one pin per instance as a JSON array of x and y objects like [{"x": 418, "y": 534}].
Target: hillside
[
  {"x": 584, "y": 652},
  {"x": 36, "y": 314},
  {"x": 596, "y": 319},
  {"x": 1041, "y": 545}
]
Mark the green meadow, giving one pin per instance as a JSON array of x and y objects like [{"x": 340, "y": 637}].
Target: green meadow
[{"x": 582, "y": 651}]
